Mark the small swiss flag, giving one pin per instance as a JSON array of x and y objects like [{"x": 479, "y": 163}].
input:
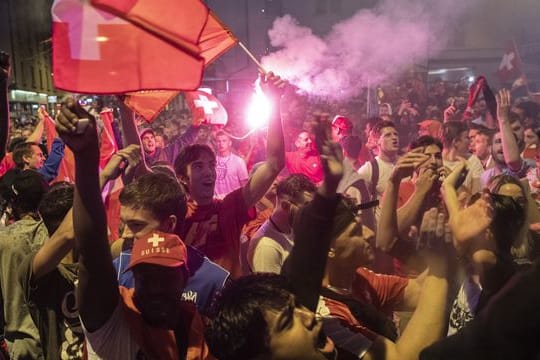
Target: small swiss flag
[
  {"x": 206, "y": 105},
  {"x": 510, "y": 65}
]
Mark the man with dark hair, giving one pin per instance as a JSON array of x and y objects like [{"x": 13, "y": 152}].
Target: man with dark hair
[
  {"x": 264, "y": 316},
  {"x": 415, "y": 188},
  {"x": 23, "y": 191},
  {"x": 376, "y": 172},
  {"x": 272, "y": 243},
  {"x": 153, "y": 153},
  {"x": 213, "y": 226},
  {"x": 150, "y": 320},
  {"x": 351, "y": 145},
  {"x": 157, "y": 202},
  {"x": 305, "y": 159},
  {"x": 482, "y": 147},
  {"x": 28, "y": 155},
  {"x": 154, "y": 193},
  {"x": 48, "y": 278},
  {"x": 505, "y": 148},
  {"x": 456, "y": 141},
  {"x": 528, "y": 111},
  {"x": 55, "y": 204}
]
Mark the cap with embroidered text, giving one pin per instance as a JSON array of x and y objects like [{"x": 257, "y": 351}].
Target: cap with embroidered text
[{"x": 158, "y": 248}]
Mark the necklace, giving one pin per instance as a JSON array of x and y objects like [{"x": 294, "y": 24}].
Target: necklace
[{"x": 222, "y": 161}]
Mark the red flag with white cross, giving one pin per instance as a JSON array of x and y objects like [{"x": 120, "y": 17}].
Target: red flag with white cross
[
  {"x": 100, "y": 53},
  {"x": 206, "y": 105},
  {"x": 510, "y": 65},
  {"x": 216, "y": 39}
]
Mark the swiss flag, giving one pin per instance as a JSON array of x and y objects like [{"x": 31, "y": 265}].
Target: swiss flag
[
  {"x": 510, "y": 65},
  {"x": 149, "y": 104},
  {"x": 108, "y": 146},
  {"x": 203, "y": 104},
  {"x": 215, "y": 39},
  {"x": 96, "y": 52},
  {"x": 178, "y": 21},
  {"x": 111, "y": 192}
]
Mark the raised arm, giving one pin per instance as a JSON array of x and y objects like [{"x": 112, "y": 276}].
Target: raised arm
[
  {"x": 307, "y": 261},
  {"x": 130, "y": 135},
  {"x": 37, "y": 134},
  {"x": 4, "y": 103},
  {"x": 52, "y": 164},
  {"x": 388, "y": 231},
  {"x": 428, "y": 321},
  {"x": 124, "y": 162},
  {"x": 509, "y": 142},
  {"x": 468, "y": 225},
  {"x": 55, "y": 249},
  {"x": 261, "y": 180},
  {"x": 97, "y": 293},
  {"x": 409, "y": 214}
]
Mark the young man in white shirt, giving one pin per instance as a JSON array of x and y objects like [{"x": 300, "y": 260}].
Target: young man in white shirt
[{"x": 387, "y": 138}]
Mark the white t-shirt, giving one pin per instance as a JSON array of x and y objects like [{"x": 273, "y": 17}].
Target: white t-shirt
[
  {"x": 231, "y": 174},
  {"x": 472, "y": 181},
  {"x": 268, "y": 249},
  {"x": 113, "y": 340},
  {"x": 385, "y": 171}
]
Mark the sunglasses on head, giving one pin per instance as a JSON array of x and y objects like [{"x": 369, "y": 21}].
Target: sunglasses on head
[{"x": 521, "y": 201}]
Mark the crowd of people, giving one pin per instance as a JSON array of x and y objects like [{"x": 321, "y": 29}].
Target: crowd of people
[{"x": 412, "y": 236}]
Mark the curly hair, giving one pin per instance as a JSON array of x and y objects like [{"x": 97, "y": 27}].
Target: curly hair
[
  {"x": 294, "y": 185},
  {"x": 159, "y": 193},
  {"x": 55, "y": 204}
]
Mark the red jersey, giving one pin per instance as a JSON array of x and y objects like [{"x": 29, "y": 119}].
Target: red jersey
[
  {"x": 385, "y": 292},
  {"x": 308, "y": 164},
  {"x": 214, "y": 229}
]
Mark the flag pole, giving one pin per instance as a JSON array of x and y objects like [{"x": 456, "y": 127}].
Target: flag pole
[{"x": 252, "y": 57}]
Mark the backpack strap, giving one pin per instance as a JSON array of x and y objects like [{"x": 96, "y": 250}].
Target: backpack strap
[
  {"x": 374, "y": 179},
  {"x": 368, "y": 216}
]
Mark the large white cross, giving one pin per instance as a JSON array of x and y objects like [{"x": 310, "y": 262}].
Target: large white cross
[
  {"x": 83, "y": 20},
  {"x": 506, "y": 61},
  {"x": 155, "y": 240},
  {"x": 206, "y": 104}
]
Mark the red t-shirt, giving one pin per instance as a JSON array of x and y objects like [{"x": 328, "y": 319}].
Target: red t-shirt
[
  {"x": 214, "y": 229},
  {"x": 384, "y": 292},
  {"x": 310, "y": 165},
  {"x": 6, "y": 164},
  {"x": 332, "y": 308},
  {"x": 406, "y": 189}
]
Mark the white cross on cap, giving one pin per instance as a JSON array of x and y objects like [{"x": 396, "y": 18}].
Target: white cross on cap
[
  {"x": 506, "y": 61},
  {"x": 155, "y": 240},
  {"x": 83, "y": 20},
  {"x": 206, "y": 104}
]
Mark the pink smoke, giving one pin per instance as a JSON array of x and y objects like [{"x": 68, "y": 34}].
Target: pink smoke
[{"x": 370, "y": 46}]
